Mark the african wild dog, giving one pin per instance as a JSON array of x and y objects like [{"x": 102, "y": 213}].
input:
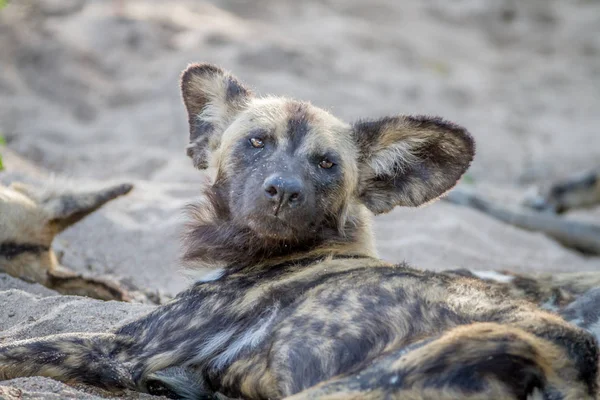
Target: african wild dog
[
  {"x": 31, "y": 217},
  {"x": 577, "y": 191},
  {"x": 298, "y": 304}
]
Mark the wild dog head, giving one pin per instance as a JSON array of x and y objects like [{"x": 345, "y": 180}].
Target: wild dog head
[
  {"x": 291, "y": 176},
  {"x": 31, "y": 217}
]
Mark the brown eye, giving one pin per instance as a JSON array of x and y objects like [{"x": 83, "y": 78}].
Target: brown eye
[
  {"x": 255, "y": 142},
  {"x": 325, "y": 164}
]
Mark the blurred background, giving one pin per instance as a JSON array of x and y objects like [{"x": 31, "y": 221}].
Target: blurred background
[{"x": 89, "y": 90}]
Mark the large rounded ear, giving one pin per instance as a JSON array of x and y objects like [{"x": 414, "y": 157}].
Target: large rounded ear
[
  {"x": 212, "y": 98},
  {"x": 408, "y": 160}
]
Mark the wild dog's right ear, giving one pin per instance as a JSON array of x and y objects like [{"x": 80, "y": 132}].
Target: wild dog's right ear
[{"x": 212, "y": 98}]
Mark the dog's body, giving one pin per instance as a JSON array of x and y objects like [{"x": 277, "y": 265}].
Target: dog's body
[
  {"x": 298, "y": 304},
  {"x": 369, "y": 329}
]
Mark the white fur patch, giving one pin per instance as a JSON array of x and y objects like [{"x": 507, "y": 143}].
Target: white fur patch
[
  {"x": 184, "y": 382},
  {"x": 385, "y": 159},
  {"x": 214, "y": 114},
  {"x": 196, "y": 274},
  {"x": 492, "y": 276},
  {"x": 535, "y": 395},
  {"x": 212, "y": 275},
  {"x": 250, "y": 339},
  {"x": 210, "y": 346}
]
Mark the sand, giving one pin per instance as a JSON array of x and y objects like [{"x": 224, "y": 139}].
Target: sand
[{"x": 88, "y": 92}]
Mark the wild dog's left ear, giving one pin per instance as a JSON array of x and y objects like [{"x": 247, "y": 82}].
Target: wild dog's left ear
[
  {"x": 408, "y": 160},
  {"x": 212, "y": 98}
]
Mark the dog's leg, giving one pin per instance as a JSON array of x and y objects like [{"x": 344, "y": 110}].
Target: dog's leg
[
  {"x": 478, "y": 361},
  {"x": 95, "y": 359},
  {"x": 68, "y": 282}
]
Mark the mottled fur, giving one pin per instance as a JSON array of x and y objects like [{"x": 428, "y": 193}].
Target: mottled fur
[
  {"x": 299, "y": 305},
  {"x": 573, "y": 295}
]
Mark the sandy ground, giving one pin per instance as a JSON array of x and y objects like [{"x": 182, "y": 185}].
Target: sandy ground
[{"x": 88, "y": 91}]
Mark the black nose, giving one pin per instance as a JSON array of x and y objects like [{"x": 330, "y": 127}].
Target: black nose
[{"x": 284, "y": 190}]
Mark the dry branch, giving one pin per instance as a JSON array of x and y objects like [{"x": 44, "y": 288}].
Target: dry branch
[{"x": 579, "y": 235}]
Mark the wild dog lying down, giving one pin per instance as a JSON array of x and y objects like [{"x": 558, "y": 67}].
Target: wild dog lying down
[
  {"x": 577, "y": 191},
  {"x": 298, "y": 304},
  {"x": 30, "y": 219}
]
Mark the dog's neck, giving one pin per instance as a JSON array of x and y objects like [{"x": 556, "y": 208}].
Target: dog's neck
[{"x": 214, "y": 240}]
